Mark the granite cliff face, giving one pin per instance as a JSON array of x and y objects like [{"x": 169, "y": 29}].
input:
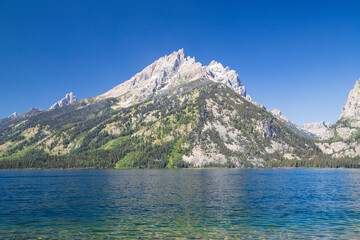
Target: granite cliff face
[
  {"x": 70, "y": 98},
  {"x": 171, "y": 71},
  {"x": 15, "y": 114},
  {"x": 352, "y": 106},
  {"x": 343, "y": 138}
]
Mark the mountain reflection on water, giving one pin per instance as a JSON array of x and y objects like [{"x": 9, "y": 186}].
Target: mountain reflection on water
[{"x": 186, "y": 203}]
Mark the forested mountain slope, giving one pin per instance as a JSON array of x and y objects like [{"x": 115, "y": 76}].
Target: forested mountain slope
[{"x": 201, "y": 123}]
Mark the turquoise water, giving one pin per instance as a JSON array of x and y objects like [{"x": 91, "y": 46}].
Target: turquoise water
[{"x": 188, "y": 203}]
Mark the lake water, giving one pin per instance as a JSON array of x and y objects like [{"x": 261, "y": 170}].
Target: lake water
[{"x": 187, "y": 203}]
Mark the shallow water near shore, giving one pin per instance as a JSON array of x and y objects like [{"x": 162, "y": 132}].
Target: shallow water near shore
[{"x": 186, "y": 203}]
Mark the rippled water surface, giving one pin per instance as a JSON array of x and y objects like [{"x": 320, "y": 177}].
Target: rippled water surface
[{"x": 189, "y": 203}]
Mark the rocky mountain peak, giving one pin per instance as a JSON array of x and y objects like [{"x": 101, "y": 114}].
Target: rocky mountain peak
[
  {"x": 15, "y": 114},
  {"x": 352, "y": 106},
  {"x": 70, "y": 98},
  {"x": 171, "y": 71},
  {"x": 173, "y": 60},
  {"x": 217, "y": 67},
  {"x": 228, "y": 77}
]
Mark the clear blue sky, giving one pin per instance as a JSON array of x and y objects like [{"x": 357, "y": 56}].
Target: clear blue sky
[{"x": 302, "y": 57}]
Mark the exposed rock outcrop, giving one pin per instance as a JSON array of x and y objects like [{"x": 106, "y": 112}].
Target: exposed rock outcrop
[
  {"x": 15, "y": 114},
  {"x": 171, "y": 71},
  {"x": 342, "y": 139},
  {"x": 70, "y": 98},
  {"x": 352, "y": 106}
]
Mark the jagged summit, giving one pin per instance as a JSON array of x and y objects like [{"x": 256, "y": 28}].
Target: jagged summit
[
  {"x": 170, "y": 71},
  {"x": 15, "y": 114},
  {"x": 277, "y": 113},
  {"x": 352, "y": 106},
  {"x": 70, "y": 98},
  {"x": 228, "y": 77}
]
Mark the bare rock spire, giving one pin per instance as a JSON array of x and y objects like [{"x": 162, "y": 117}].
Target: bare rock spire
[
  {"x": 352, "y": 106},
  {"x": 170, "y": 71},
  {"x": 70, "y": 98}
]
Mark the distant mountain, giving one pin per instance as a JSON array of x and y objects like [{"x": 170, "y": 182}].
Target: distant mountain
[
  {"x": 70, "y": 98},
  {"x": 15, "y": 114},
  {"x": 277, "y": 113},
  {"x": 313, "y": 130},
  {"x": 318, "y": 129}
]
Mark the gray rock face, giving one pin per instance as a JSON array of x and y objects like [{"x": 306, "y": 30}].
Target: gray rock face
[
  {"x": 171, "y": 71},
  {"x": 352, "y": 106},
  {"x": 70, "y": 98},
  {"x": 277, "y": 113},
  {"x": 341, "y": 140},
  {"x": 263, "y": 127},
  {"x": 15, "y": 114},
  {"x": 317, "y": 128}
]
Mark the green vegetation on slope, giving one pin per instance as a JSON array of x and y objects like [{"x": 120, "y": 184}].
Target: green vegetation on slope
[{"x": 162, "y": 132}]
